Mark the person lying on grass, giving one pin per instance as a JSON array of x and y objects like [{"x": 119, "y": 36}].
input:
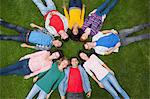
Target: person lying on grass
[
  {"x": 109, "y": 41},
  {"x": 48, "y": 80},
  {"x": 39, "y": 36},
  {"x": 55, "y": 22},
  {"x": 103, "y": 75},
  {"x": 32, "y": 64},
  {"x": 94, "y": 22},
  {"x": 75, "y": 15},
  {"x": 75, "y": 82}
]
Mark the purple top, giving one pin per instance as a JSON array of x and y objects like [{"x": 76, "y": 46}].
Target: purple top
[{"x": 94, "y": 22}]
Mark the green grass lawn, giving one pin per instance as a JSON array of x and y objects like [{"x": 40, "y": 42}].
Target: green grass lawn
[{"x": 131, "y": 64}]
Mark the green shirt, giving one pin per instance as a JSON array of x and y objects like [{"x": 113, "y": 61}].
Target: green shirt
[{"x": 51, "y": 78}]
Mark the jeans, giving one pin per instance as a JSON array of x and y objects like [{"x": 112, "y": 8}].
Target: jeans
[
  {"x": 44, "y": 9},
  {"x": 74, "y": 95},
  {"x": 20, "y": 68},
  {"x": 110, "y": 82},
  {"x": 124, "y": 33},
  {"x": 23, "y": 31},
  {"x": 75, "y": 3},
  {"x": 104, "y": 8},
  {"x": 35, "y": 89}
]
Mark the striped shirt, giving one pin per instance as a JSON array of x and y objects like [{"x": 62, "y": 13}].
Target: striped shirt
[{"x": 94, "y": 22}]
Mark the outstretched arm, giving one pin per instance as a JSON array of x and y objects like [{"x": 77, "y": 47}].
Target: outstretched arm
[{"x": 36, "y": 26}]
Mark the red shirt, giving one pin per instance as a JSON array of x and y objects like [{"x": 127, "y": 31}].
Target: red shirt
[
  {"x": 55, "y": 21},
  {"x": 75, "y": 81}
]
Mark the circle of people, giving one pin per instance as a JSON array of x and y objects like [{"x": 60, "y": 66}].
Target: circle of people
[{"x": 72, "y": 81}]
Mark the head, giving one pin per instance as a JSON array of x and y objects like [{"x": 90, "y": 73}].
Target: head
[
  {"x": 88, "y": 45},
  {"x": 63, "y": 34},
  {"x": 57, "y": 54},
  {"x": 75, "y": 29},
  {"x": 64, "y": 63},
  {"x": 76, "y": 37},
  {"x": 57, "y": 43},
  {"x": 84, "y": 37},
  {"x": 83, "y": 56},
  {"x": 74, "y": 62}
]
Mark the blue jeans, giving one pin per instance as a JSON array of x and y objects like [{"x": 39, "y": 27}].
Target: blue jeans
[
  {"x": 75, "y": 3},
  {"x": 104, "y": 8},
  {"x": 21, "y": 37},
  {"x": 110, "y": 82},
  {"x": 35, "y": 89},
  {"x": 44, "y": 9},
  {"x": 20, "y": 68}
]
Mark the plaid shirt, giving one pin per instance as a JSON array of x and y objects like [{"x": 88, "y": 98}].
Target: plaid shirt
[{"x": 94, "y": 22}]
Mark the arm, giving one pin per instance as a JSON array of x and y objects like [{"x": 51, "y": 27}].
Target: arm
[
  {"x": 36, "y": 26},
  {"x": 106, "y": 31},
  {"x": 58, "y": 82},
  {"x": 48, "y": 95},
  {"x": 66, "y": 13},
  {"x": 27, "y": 46},
  {"x": 82, "y": 15},
  {"x": 111, "y": 50}
]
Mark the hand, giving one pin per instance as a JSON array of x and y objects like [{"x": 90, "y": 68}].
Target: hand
[
  {"x": 62, "y": 97},
  {"x": 112, "y": 72},
  {"x": 100, "y": 85},
  {"x": 35, "y": 79},
  {"x": 26, "y": 76},
  {"x": 88, "y": 94},
  {"x": 24, "y": 45}
]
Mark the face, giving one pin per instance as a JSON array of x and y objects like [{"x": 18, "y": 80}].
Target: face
[
  {"x": 74, "y": 62},
  {"x": 64, "y": 63},
  {"x": 87, "y": 46},
  {"x": 75, "y": 31},
  {"x": 83, "y": 56},
  {"x": 64, "y": 35},
  {"x": 55, "y": 55},
  {"x": 57, "y": 43},
  {"x": 84, "y": 37}
]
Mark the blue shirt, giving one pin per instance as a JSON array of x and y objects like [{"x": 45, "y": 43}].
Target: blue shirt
[
  {"x": 108, "y": 41},
  {"x": 40, "y": 38}
]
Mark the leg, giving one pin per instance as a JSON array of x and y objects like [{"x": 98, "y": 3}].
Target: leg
[
  {"x": 116, "y": 85},
  {"x": 102, "y": 6},
  {"x": 127, "y": 32},
  {"x": 17, "y": 69},
  {"x": 35, "y": 89},
  {"x": 75, "y": 3},
  {"x": 43, "y": 9},
  {"x": 79, "y": 96},
  {"x": 109, "y": 88},
  {"x": 70, "y": 95},
  {"x": 11, "y": 37},
  {"x": 50, "y": 4},
  {"x": 109, "y": 8},
  {"x": 129, "y": 40},
  {"x": 42, "y": 95},
  {"x": 13, "y": 27}
]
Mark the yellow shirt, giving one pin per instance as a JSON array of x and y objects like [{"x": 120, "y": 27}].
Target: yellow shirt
[{"x": 74, "y": 16}]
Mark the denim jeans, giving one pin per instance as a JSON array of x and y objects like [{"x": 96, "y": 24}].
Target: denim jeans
[
  {"x": 110, "y": 82},
  {"x": 21, "y": 37},
  {"x": 20, "y": 68},
  {"x": 75, "y": 95},
  {"x": 43, "y": 8},
  {"x": 35, "y": 89},
  {"x": 75, "y": 3},
  {"x": 104, "y": 8},
  {"x": 124, "y": 34}
]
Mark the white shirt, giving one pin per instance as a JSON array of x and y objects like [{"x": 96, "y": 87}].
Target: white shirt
[
  {"x": 101, "y": 49},
  {"x": 94, "y": 64}
]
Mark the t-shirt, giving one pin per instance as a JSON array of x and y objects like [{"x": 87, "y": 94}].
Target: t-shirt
[
  {"x": 75, "y": 81},
  {"x": 56, "y": 22},
  {"x": 51, "y": 79},
  {"x": 94, "y": 64},
  {"x": 108, "y": 41},
  {"x": 38, "y": 37}
]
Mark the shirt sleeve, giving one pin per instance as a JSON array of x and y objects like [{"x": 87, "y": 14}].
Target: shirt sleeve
[
  {"x": 58, "y": 82},
  {"x": 42, "y": 74}
]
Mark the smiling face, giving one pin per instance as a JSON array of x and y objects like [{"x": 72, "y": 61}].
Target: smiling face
[
  {"x": 88, "y": 46},
  {"x": 57, "y": 43},
  {"x": 75, "y": 30},
  {"x": 64, "y": 63},
  {"x": 74, "y": 62},
  {"x": 63, "y": 35},
  {"x": 83, "y": 56},
  {"x": 55, "y": 55}
]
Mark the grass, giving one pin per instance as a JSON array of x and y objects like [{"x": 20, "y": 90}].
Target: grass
[{"x": 131, "y": 64}]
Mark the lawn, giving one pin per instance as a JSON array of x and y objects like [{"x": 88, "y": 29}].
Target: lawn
[{"x": 131, "y": 65}]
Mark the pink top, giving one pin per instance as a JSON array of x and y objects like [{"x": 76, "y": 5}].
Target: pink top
[
  {"x": 94, "y": 64},
  {"x": 39, "y": 62}
]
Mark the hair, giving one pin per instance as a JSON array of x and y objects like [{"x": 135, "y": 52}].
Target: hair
[
  {"x": 73, "y": 57},
  {"x": 76, "y": 37},
  {"x": 65, "y": 40}
]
